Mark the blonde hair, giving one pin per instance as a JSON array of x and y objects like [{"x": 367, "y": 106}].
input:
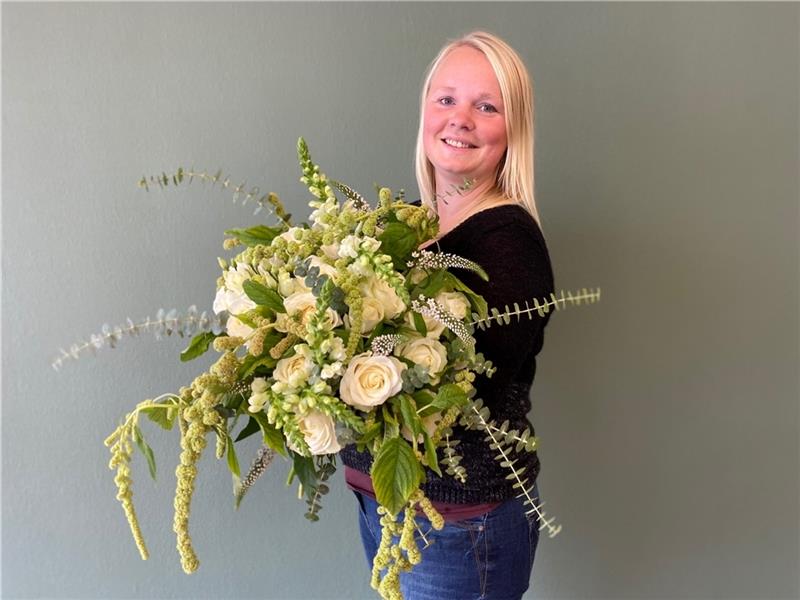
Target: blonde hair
[{"x": 515, "y": 177}]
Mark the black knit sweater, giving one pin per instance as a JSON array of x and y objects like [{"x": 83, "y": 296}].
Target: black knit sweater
[{"x": 508, "y": 244}]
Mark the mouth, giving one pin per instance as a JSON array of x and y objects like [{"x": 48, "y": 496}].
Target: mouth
[{"x": 457, "y": 143}]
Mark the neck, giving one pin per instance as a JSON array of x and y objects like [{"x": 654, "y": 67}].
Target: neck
[{"x": 456, "y": 208}]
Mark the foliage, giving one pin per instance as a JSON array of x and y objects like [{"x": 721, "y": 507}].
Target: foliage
[{"x": 304, "y": 314}]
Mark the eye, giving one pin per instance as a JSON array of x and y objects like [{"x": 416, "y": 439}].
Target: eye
[
  {"x": 446, "y": 100},
  {"x": 486, "y": 107}
]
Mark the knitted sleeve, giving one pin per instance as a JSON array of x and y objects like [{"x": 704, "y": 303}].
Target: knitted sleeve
[{"x": 516, "y": 259}]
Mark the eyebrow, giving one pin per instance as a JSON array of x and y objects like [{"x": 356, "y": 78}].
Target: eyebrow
[{"x": 447, "y": 88}]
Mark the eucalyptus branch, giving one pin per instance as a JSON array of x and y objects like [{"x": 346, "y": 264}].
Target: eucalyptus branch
[
  {"x": 589, "y": 296},
  {"x": 523, "y": 440},
  {"x": 164, "y": 324},
  {"x": 269, "y": 201},
  {"x": 516, "y": 475},
  {"x": 454, "y": 190},
  {"x": 451, "y": 460}
]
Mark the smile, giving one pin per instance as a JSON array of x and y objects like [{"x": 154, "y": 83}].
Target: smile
[{"x": 457, "y": 144}]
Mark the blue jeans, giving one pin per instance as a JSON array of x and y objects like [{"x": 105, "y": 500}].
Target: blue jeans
[{"x": 488, "y": 557}]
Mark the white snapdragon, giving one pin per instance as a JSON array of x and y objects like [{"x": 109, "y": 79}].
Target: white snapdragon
[
  {"x": 348, "y": 247},
  {"x": 303, "y": 305},
  {"x": 231, "y": 297},
  {"x": 287, "y": 283},
  {"x": 258, "y": 399},
  {"x": 369, "y": 245},
  {"x": 332, "y": 370},
  {"x": 294, "y": 370},
  {"x": 334, "y": 347}
]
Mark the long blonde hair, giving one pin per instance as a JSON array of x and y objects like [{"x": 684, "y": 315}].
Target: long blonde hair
[{"x": 515, "y": 178}]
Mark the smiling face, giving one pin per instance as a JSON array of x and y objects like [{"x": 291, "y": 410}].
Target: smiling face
[{"x": 464, "y": 130}]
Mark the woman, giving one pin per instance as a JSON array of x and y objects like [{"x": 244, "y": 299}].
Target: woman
[{"x": 476, "y": 125}]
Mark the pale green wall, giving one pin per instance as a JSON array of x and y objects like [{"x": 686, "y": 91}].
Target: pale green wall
[{"x": 667, "y": 155}]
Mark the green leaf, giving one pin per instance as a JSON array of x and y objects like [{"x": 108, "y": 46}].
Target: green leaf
[
  {"x": 409, "y": 413},
  {"x": 264, "y": 296},
  {"x": 424, "y": 400},
  {"x": 145, "y": 449},
  {"x": 232, "y": 400},
  {"x": 303, "y": 467},
  {"x": 391, "y": 428},
  {"x": 430, "y": 454},
  {"x": 272, "y": 435},
  {"x": 249, "y": 429},
  {"x": 252, "y": 236},
  {"x": 233, "y": 461},
  {"x": 396, "y": 473},
  {"x": 419, "y": 323},
  {"x": 163, "y": 416},
  {"x": 449, "y": 395},
  {"x": 198, "y": 346},
  {"x": 433, "y": 284},
  {"x": 398, "y": 240},
  {"x": 251, "y": 363},
  {"x": 370, "y": 434}
]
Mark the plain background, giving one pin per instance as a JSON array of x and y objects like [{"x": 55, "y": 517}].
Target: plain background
[{"x": 667, "y": 174}]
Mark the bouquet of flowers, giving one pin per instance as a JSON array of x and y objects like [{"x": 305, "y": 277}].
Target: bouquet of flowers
[{"x": 335, "y": 331}]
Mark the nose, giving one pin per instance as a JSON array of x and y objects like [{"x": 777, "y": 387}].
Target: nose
[{"x": 461, "y": 118}]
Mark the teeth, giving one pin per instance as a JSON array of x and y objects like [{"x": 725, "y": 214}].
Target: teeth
[{"x": 457, "y": 144}]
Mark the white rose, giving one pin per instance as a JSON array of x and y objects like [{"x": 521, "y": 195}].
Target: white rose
[
  {"x": 292, "y": 234},
  {"x": 324, "y": 269},
  {"x": 331, "y": 251},
  {"x": 294, "y": 370},
  {"x": 371, "y": 314},
  {"x": 455, "y": 303},
  {"x": 319, "y": 431},
  {"x": 434, "y": 328},
  {"x": 304, "y": 305},
  {"x": 371, "y": 380},
  {"x": 235, "y": 328},
  {"x": 384, "y": 293},
  {"x": 417, "y": 275},
  {"x": 426, "y": 352}
]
